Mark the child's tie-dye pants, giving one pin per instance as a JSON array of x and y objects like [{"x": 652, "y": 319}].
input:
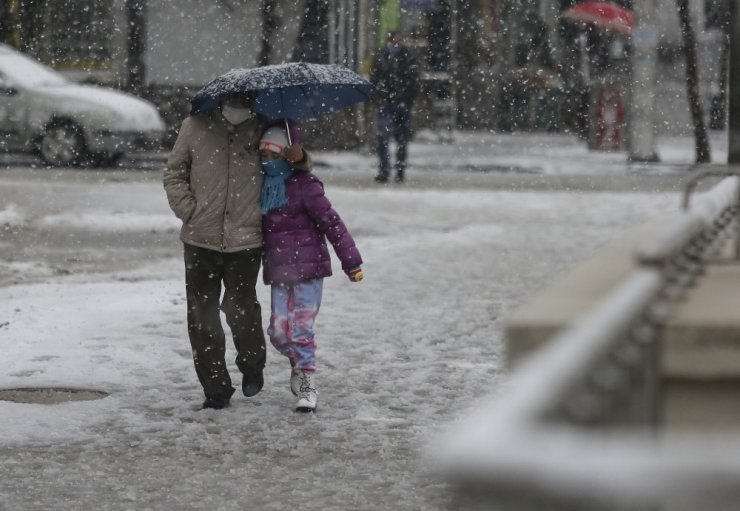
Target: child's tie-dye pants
[{"x": 294, "y": 310}]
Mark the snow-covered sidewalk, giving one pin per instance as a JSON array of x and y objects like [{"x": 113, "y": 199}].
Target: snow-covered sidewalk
[{"x": 400, "y": 354}]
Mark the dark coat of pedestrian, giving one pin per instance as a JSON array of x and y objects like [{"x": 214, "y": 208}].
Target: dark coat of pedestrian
[
  {"x": 395, "y": 76},
  {"x": 213, "y": 181}
]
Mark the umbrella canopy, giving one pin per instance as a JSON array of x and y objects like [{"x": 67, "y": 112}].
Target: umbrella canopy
[
  {"x": 606, "y": 16},
  {"x": 295, "y": 91}
]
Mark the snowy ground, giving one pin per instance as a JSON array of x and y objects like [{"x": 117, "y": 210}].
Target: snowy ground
[{"x": 400, "y": 354}]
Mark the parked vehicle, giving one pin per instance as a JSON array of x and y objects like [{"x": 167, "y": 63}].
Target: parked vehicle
[{"x": 68, "y": 123}]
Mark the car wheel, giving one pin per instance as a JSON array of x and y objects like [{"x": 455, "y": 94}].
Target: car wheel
[{"x": 62, "y": 144}]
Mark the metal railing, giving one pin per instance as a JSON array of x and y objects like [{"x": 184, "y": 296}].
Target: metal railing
[{"x": 577, "y": 426}]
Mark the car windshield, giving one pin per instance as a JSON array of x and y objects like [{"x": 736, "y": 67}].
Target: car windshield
[{"x": 21, "y": 70}]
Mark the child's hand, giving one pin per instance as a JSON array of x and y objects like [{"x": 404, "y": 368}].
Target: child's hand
[
  {"x": 293, "y": 153},
  {"x": 354, "y": 274}
]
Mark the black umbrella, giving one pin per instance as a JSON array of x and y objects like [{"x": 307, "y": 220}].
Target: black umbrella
[{"x": 287, "y": 91}]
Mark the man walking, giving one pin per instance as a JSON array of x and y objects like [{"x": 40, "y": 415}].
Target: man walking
[
  {"x": 213, "y": 181},
  {"x": 395, "y": 75}
]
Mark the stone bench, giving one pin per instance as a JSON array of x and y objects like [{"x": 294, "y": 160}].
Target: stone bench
[
  {"x": 572, "y": 294},
  {"x": 701, "y": 339}
]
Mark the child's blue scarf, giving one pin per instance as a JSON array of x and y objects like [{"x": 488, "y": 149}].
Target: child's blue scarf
[{"x": 273, "y": 187}]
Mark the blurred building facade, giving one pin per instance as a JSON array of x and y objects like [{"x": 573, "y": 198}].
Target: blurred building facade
[
  {"x": 494, "y": 64},
  {"x": 166, "y": 50},
  {"x": 552, "y": 68}
]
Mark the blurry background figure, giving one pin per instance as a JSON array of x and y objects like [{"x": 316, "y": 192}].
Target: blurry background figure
[
  {"x": 533, "y": 78},
  {"x": 576, "y": 77},
  {"x": 395, "y": 75},
  {"x": 595, "y": 69}
]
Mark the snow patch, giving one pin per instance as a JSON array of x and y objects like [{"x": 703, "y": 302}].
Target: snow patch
[
  {"x": 111, "y": 221},
  {"x": 10, "y": 216}
]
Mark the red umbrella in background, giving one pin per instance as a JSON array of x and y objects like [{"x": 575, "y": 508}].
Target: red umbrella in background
[{"x": 606, "y": 16}]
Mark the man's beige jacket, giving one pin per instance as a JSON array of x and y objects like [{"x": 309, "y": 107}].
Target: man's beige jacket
[{"x": 213, "y": 180}]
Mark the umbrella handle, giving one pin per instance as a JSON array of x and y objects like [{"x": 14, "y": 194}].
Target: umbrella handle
[{"x": 287, "y": 130}]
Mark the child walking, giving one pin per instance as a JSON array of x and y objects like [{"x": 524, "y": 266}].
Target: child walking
[{"x": 297, "y": 220}]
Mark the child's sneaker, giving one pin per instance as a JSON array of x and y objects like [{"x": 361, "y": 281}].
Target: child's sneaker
[
  {"x": 307, "y": 394},
  {"x": 295, "y": 379}
]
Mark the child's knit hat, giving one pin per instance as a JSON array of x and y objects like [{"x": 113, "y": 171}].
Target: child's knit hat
[{"x": 275, "y": 139}]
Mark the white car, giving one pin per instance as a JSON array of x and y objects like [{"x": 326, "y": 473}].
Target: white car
[{"x": 69, "y": 123}]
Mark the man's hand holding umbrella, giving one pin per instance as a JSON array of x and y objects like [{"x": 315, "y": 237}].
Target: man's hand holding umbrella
[{"x": 294, "y": 154}]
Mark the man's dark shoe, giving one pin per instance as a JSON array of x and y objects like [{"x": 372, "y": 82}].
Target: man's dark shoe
[
  {"x": 252, "y": 382},
  {"x": 219, "y": 401},
  {"x": 381, "y": 178},
  {"x": 216, "y": 403},
  {"x": 399, "y": 178}
]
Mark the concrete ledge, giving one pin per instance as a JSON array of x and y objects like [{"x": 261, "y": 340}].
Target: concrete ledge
[
  {"x": 700, "y": 406},
  {"x": 700, "y": 375},
  {"x": 702, "y": 337},
  {"x": 701, "y": 354},
  {"x": 572, "y": 294}
]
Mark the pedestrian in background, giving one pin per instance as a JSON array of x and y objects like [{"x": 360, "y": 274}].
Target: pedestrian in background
[
  {"x": 213, "y": 181},
  {"x": 298, "y": 218},
  {"x": 395, "y": 75}
]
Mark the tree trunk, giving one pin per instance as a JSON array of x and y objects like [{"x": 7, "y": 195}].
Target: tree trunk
[
  {"x": 8, "y": 25},
  {"x": 692, "y": 83},
  {"x": 136, "y": 16},
  {"x": 31, "y": 23},
  {"x": 718, "y": 115},
  {"x": 269, "y": 24},
  {"x": 733, "y": 96},
  {"x": 719, "y": 17},
  {"x": 312, "y": 43}
]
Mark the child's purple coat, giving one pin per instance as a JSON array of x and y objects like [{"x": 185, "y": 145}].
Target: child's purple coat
[{"x": 295, "y": 234}]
